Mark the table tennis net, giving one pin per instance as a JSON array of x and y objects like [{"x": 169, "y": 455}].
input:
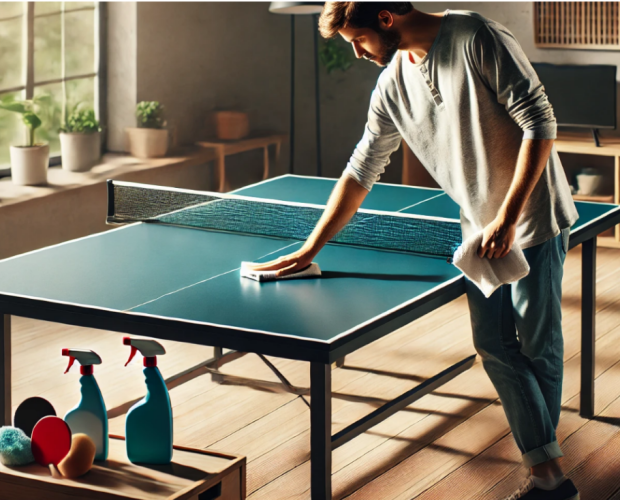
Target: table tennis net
[{"x": 129, "y": 202}]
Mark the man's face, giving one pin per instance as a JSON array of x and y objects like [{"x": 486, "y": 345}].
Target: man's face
[{"x": 376, "y": 46}]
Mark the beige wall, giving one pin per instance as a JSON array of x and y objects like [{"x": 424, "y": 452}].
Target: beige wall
[
  {"x": 121, "y": 71},
  {"x": 200, "y": 56}
]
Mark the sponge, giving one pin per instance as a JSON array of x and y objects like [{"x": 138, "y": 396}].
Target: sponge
[
  {"x": 80, "y": 458},
  {"x": 14, "y": 447}
]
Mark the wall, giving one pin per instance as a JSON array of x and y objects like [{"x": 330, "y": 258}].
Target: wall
[
  {"x": 121, "y": 71},
  {"x": 200, "y": 56}
]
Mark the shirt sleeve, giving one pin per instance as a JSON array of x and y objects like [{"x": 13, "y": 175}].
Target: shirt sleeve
[
  {"x": 506, "y": 70},
  {"x": 372, "y": 154}
]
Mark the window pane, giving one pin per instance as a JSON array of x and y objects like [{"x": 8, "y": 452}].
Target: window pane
[
  {"x": 81, "y": 91},
  {"x": 80, "y": 42},
  {"x": 50, "y": 116},
  {"x": 10, "y": 9},
  {"x": 46, "y": 7},
  {"x": 12, "y": 130},
  {"x": 47, "y": 48},
  {"x": 78, "y": 5},
  {"x": 11, "y": 53}
]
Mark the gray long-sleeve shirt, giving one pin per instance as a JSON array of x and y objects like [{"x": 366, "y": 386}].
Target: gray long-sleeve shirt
[{"x": 464, "y": 111}]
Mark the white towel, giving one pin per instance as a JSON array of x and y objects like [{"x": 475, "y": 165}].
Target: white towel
[
  {"x": 489, "y": 274},
  {"x": 308, "y": 272}
]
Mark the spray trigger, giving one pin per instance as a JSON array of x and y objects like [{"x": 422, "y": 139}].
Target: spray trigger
[
  {"x": 134, "y": 350},
  {"x": 71, "y": 361}
]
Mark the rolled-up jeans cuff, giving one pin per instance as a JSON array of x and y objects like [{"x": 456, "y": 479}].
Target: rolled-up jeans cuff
[{"x": 542, "y": 454}]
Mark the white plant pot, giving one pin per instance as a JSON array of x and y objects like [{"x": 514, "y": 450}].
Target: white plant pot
[
  {"x": 147, "y": 142},
  {"x": 29, "y": 164},
  {"x": 80, "y": 151},
  {"x": 589, "y": 183}
]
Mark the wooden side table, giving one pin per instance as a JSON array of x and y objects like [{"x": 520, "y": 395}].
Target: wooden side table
[
  {"x": 225, "y": 148},
  {"x": 192, "y": 475}
]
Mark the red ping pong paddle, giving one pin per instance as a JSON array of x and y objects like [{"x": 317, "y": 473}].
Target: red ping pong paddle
[
  {"x": 30, "y": 412},
  {"x": 51, "y": 441}
]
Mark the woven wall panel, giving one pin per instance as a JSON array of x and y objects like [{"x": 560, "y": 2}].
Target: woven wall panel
[{"x": 578, "y": 25}]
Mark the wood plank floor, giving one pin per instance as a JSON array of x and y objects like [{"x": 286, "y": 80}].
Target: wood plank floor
[{"x": 452, "y": 444}]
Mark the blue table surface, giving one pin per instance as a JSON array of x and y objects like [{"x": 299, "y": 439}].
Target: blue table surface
[{"x": 192, "y": 274}]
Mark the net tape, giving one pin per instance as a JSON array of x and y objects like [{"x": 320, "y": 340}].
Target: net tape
[{"x": 130, "y": 202}]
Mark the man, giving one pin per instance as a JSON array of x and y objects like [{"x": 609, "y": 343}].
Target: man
[{"x": 459, "y": 89}]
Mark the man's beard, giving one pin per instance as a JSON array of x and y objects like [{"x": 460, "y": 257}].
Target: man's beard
[{"x": 391, "y": 41}]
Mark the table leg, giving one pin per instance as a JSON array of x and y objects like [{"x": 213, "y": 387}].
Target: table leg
[
  {"x": 265, "y": 162},
  {"x": 221, "y": 169},
  {"x": 5, "y": 369},
  {"x": 320, "y": 431},
  {"x": 588, "y": 325}
]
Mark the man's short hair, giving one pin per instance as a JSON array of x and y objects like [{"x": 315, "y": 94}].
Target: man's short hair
[{"x": 338, "y": 15}]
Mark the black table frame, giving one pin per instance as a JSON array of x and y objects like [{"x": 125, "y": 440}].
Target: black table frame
[{"x": 320, "y": 355}]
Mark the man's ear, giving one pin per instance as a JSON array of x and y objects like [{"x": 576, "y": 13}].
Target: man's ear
[{"x": 386, "y": 19}]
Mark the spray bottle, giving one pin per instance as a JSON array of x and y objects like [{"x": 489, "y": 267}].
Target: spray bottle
[
  {"x": 89, "y": 416},
  {"x": 148, "y": 429}
]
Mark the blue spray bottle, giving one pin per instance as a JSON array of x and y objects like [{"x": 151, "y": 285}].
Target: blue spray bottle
[
  {"x": 148, "y": 429},
  {"x": 89, "y": 416}
]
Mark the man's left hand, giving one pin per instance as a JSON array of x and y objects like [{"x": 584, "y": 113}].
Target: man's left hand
[{"x": 497, "y": 239}]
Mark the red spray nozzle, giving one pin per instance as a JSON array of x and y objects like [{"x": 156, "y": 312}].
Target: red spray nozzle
[
  {"x": 150, "y": 349},
  {"x": 85, "y": 357}
]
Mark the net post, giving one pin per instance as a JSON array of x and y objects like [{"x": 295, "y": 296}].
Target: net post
[{"x": 110, "y": 188}]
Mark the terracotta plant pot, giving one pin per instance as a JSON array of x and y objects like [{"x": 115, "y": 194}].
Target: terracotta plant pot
[
  {"x": 29, "y": 164},
  {"x": 232, "y": 125},
  {"x": 80, "y": 151},
  {"x": 147, "y": 142}
]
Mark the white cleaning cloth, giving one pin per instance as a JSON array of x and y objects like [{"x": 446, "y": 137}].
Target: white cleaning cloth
[
  {"x": 489, "y": 274},
  {"x": 308, "y": 272}
]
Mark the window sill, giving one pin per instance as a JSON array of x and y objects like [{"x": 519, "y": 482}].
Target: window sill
[
  {"x": 74, "y": 204},
  {"x": 112, "y": 166}
]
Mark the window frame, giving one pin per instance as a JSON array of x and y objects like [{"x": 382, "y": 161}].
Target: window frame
[{"x": 28, "y": 63}]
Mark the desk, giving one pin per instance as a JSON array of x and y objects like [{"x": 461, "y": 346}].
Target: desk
[{"x": 225, "y": 148}]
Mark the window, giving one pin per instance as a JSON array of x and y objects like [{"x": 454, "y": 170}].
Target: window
[
  {"x": 577, "y": 25},
  {"x": 51, "y": 48}
]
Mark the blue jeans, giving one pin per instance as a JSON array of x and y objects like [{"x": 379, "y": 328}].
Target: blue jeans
[{"x": 518, "y": 334}]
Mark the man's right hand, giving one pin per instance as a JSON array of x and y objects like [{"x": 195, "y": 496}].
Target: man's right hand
[
  {"x": 344, "y": 201},
  {"x": 287, "y": 264}
]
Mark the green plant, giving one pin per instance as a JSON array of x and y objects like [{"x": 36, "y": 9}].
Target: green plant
[
  {"x": 28, "y": 109},
  {"x": 150, "y": 114},
  {"x": 335, "y": 54},
  {"x": 81, "y": 120}
]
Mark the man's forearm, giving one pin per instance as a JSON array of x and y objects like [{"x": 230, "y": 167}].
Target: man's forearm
[
  {"x": 344, "y": 201},
  {"x": 533, "y": 157}
]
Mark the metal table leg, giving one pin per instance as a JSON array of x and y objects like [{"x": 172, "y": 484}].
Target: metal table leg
[
  {"x": 588, "y": 318},
  {"x": 321, "y": 431},
  {"x": 5, "y": 369}
]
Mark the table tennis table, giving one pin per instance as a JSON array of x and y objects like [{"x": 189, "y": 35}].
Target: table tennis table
[{"x": 183, "y": 284}]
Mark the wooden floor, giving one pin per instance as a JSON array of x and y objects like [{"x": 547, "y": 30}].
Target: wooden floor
[{"x": 452, "y": 444}]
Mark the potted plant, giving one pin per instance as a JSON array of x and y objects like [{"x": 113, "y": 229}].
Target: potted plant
[
  {"x": 80, "y": 140},
  {"x": 28, "y": 162},
  {"x": 150, "y": 138}
]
